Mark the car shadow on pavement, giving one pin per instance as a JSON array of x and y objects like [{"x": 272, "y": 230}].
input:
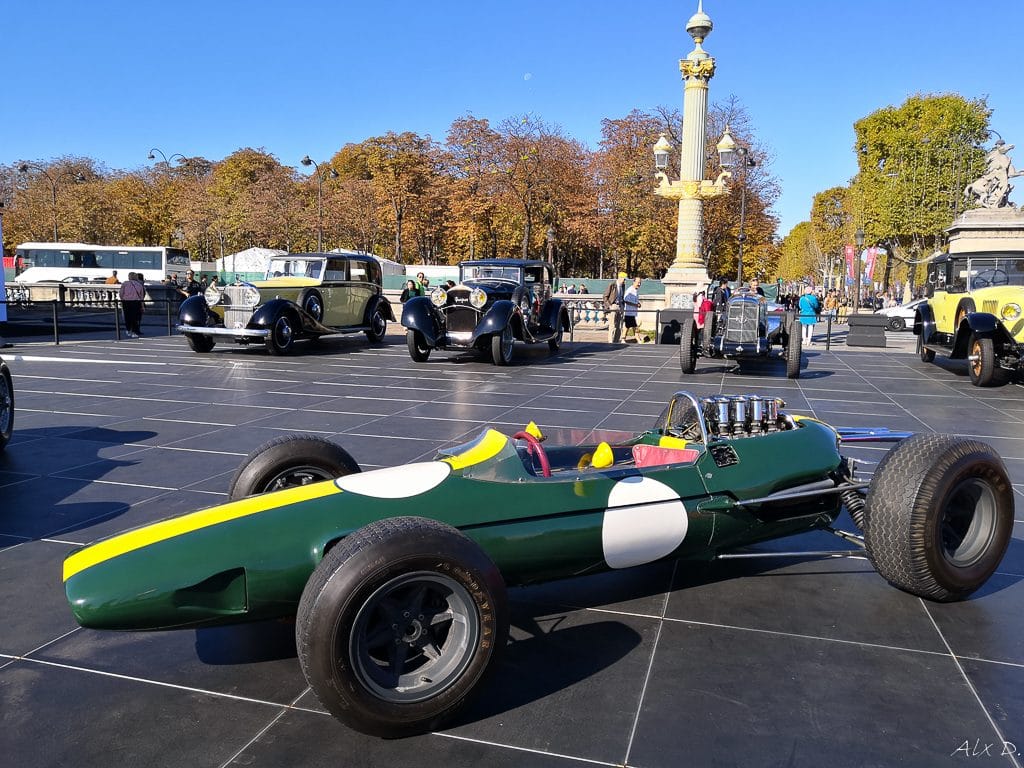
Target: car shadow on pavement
[{"x": 37, "y": 500}]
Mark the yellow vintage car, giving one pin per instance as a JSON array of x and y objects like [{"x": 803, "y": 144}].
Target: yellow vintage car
[
  {"x": 304, "y": 295},
  {"x": 974, "y": 312}
]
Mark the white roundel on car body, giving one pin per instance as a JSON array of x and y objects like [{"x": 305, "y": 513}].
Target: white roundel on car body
[
  {"x": 645, "y": 520},
  {"x": 396, "y": 482}
]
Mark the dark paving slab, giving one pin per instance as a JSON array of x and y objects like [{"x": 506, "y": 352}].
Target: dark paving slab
[{"x": 777, "y": 661}]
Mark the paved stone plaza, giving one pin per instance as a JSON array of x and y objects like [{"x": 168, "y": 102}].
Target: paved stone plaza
[{"x": 783, "y": 661}]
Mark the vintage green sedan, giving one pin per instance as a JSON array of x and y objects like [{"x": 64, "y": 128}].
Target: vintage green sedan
[
  {"x": 397, "y": 577},
  {"x": 304, "y": 295}
]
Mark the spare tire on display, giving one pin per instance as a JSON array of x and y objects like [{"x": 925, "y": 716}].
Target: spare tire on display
[{"x": 940, "y": 515}]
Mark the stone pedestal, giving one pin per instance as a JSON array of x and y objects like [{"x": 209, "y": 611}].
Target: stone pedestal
[
  {"x": 681, "y": 284},
  {"x": 987, "y": 230}
]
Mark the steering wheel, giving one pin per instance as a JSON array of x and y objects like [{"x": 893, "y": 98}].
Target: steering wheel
[
  {"x": 990, "y": 277},
  {"x": 532, "y": 444}
]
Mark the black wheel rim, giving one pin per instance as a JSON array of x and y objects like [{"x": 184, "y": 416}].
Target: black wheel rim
[
  {"x": 283, "y": 332},
  {"x": 294, "y": 476},
  {"x": 968, "y": 522},
  {"x": 6, "y": 405},
  {"x": 414, "y": 637}
]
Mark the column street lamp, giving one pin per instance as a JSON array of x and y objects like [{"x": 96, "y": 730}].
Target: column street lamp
[
  {"x": 858, "y": 238},
  {"x": 731, "y": 156},
  {"x": 24, "y": 169},
  {"x": 307, "y": 161},
  {"x": 688, "y": 269}
]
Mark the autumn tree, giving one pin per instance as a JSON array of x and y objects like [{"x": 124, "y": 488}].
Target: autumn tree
[{"x": 799, "y": 254}]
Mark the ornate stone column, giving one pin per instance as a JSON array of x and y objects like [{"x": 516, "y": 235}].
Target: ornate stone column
[{"x": 688, "y": 271}]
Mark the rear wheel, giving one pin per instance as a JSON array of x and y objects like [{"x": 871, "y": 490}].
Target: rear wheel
[
  {"x": 6, "y": 405},
  {"x": 200, "y": 342},
  {"x": 398, "y": 624},
  {"x": 378, "y": 326},
  {"x": 501, "y": 346},
  {"x": 896, "y": 324},
  {"x": 419, "y": 350},
  {"x": 981, "y": 363},
  {"x": 282, "y": 336},
  {"x": 940, "y": 515},
  {"x": 289, "y": 461},
  {"x": 687, "y": 345}
]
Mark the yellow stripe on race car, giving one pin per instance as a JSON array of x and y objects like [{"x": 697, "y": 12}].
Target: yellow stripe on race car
[
  {"x": 487, "y": 447},
  {"x": 168, "y": 529}
]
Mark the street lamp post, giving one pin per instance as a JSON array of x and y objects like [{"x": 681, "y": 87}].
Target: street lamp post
[
  {"x": 307, "y": 161},
  {"x": 730, "y": 158},
  {"x": 858, "y": 238},
  {"x": 24, "y": 169},
  {"x": 688, "y": 269},
  {"x": 167, "y": 161}
]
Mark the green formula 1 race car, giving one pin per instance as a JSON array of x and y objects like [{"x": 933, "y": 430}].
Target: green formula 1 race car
[{"x": 397, "y": 577}]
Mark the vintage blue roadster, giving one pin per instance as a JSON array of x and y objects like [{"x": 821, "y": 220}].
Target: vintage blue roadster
[{"x": 397, "y": 577}]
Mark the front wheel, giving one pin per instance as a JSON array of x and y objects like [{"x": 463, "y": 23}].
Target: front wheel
[
  {"x": 555, "y": 342},
  {"x": 398, "y": 624},
  {"x": 6, "y": 405},
  {"x": 282, "y": 336},
  {"x": 896, "y": 324},
  {"x": 982, "y": 361},
  {"x": 378, "y": 327},
  {"x": 793, "y": 350},
  {"x": 687, "y": 345},
  {"x": 940, "y": 515},
  {"x": 289, "y": 461},
  {"x": 200, "y": 342},
  {"x": 501, "y": 346},
  {"x": 927, "y": 355},
  {"x": 419, "y": 350}
]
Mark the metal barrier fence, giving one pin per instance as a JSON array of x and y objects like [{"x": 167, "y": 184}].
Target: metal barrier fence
[{"x": 53, "y": 309}]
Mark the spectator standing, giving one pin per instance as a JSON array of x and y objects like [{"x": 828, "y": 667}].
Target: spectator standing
[
  {"x": 571, "y": 289},
  {"x": 191, "y": 287},
  {"x": 421, "y": 283},
  {"x": 832, "y": 304},
  {"x": 582, "y": 288},
  {"x": 809, "y": 309},
  {"x": 132, "y": 292},
  {"x": 214, "y": 282},
  {"x": 614, "y": 302},
  {"x": 112, "y": 280},
  {"x": 720, "y": 298},
  {"x": 631, "y": 304},
  {"x": 701, "y": 306},
  {"x": 409, "y": 291},
  {"x": 755, "y": 286}
]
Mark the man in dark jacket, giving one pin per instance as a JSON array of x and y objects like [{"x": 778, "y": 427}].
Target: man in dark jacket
[
  {"x": 722, "y": 294},
  {"x": 614, "y": 303}
]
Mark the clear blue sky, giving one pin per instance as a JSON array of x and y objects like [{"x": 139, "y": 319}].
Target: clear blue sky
[{"x": 109, "y": 79}]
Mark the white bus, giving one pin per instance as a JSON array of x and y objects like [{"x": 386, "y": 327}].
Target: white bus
[{"x": 84, "y": 263}]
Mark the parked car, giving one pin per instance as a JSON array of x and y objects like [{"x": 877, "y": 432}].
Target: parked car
[
  {"x": 6, "y": 405},
  {"x": 748, "y": 328},
  {"x": 975, "y": 311},
  {"x": 304, "y": 295},
  {"x": 901, "y": 317},
  {"x": 397, "y": 576},
  {"x": 495, "y": 302}
]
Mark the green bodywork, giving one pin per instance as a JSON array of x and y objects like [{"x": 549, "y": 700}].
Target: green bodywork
[{"x": 255, "y": 566}]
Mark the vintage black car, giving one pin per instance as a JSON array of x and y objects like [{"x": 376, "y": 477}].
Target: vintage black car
[
  {"x": 304, "y": 295},
  {"x": 748, "y": 328},
  {"x": 6, "y": 404},
  {"x": 496, "y": 302}
]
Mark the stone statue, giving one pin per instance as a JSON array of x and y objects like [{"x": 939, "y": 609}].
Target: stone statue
[{"x": 992, "y": 190}]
